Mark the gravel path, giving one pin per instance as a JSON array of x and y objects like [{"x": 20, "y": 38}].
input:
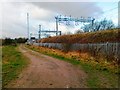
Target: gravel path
[{"x": 47, "y": 72}]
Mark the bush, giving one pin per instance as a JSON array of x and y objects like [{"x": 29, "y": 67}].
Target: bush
[{"x": 8, "y": 41}]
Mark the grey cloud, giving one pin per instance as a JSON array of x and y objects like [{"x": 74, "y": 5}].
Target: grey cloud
[
  {"x": 14, "y": 22},
  {"x": 76, "y": 9},
  {"x": 14, "y": 25}
]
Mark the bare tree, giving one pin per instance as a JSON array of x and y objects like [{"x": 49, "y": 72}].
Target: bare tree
[
  {"x": 78, "y": 31},
  {"x": 99, "y": 25}
]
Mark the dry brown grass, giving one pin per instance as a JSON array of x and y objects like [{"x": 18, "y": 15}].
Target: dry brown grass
[
  {"x": 76, "y": 55},
  {"x": 96, "y": 71},
  {"x": 92, "y": 37}
]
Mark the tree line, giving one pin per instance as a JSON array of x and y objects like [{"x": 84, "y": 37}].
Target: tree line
[{"x": 9, "y": 41}]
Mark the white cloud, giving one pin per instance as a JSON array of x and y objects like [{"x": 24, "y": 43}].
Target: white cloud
[
  {"x": 14, "y": 16},
  {"x": 76, "y": 9},
  {"x": 59, "y": 0},
  {"x": 14, "y": 21}
]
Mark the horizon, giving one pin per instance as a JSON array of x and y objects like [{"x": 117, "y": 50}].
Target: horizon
[{"x": 14, "y": 15}]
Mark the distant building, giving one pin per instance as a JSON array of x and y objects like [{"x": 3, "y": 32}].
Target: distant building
[{"x": 32, "y": 40}]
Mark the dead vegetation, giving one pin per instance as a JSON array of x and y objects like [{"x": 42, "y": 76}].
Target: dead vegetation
[
  {"x": 92, "y": 37},
  {"x": 79, "y": 56}
]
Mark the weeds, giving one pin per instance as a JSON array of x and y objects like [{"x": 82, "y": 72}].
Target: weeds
[{"x": 99, "y": 75}]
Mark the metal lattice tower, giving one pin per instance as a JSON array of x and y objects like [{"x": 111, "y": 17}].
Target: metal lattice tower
[
  {"x": 47, "y": 31},
  {"x": 59, "y": 19}
]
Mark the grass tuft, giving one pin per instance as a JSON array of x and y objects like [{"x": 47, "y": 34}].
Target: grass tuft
[{"x": 12, "y": 63}]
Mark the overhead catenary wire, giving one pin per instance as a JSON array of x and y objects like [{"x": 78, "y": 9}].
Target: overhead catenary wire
[{"x": 103, "y": 12}]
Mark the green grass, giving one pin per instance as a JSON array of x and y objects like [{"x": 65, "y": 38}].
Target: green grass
[
  {"x": 98, "y": 77},
  {"x": 65, "y": 59},
  {"x": 13, "y": 63}
]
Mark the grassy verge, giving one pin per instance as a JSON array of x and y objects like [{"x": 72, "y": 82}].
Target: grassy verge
[
  {"x": 98, "y": 77},
  {"x": 12, "y": 63}
]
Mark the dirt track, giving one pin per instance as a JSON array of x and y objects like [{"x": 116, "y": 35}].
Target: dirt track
[{"x": 48, "y": 72}]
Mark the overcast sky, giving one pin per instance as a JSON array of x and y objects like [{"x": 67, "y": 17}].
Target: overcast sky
[{"x": 13, "y": 20}]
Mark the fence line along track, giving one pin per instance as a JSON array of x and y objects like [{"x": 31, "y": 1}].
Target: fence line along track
[{"x": 108, "y": 49}]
